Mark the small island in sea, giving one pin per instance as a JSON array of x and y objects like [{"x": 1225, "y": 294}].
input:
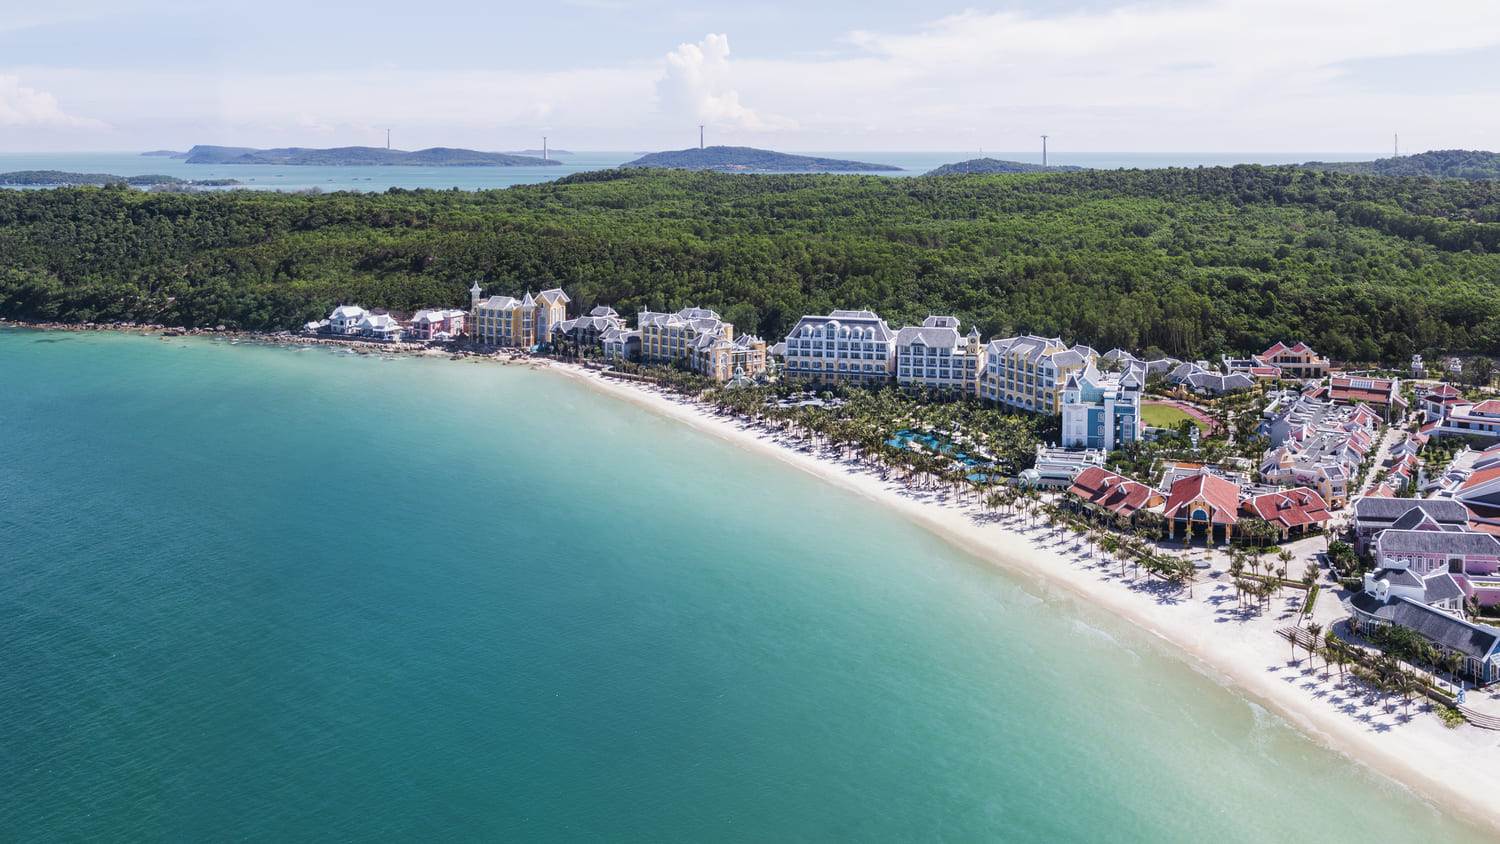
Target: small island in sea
[
  {"x": 367, "y": 156},
  {"x": 164, "y": 153},
  {"x": 63, "y": 178},
  {"x": 1439, "y": 164},
  {"x": 996, "y": 165},
  {"x": 750, "y": 159}
]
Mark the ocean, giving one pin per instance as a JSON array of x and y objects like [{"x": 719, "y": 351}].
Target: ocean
[
  {"x": 267, "y": 177},
  {"x": 255, "y": 593}
]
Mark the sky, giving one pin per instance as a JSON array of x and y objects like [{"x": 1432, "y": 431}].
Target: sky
[{"x": 802, "y": 75}]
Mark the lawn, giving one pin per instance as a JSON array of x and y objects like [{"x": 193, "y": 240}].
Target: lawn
[{"x": 1165, "y": 416}]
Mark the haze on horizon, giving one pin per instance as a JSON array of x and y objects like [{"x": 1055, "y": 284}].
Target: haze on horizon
[{"x": 1100, "y": 75}]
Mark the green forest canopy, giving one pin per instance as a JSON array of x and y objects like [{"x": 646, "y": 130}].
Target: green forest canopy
[{"x": 1188, "y": 261}]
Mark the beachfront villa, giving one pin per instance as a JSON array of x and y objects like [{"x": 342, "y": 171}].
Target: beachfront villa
[
  {"x": 1029, "y": 372},
  {"x": 380, "y": 327},
  {"x": 1473, "y": 558},
  {"x": 345, "y": 319},
  {"x": 843, "y": 347},
  {"x": 935, "y": 355},
  {"x": 1101, "y": 411},
  {"x": 1202, "y": 504},
  {"x": 1296, "y": 361},
  {"x": 1326, "y": 460},
  {"x": 523, "y": 323},
  {"x": 436, "y": 324},
  {"x": 1293, "y": 512},
  {"x": 1057, "y": 467},
  {"x": 1373, "y": 515}
]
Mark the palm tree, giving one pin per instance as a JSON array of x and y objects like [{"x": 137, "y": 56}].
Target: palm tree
[{"x": 1313, "y": 629}]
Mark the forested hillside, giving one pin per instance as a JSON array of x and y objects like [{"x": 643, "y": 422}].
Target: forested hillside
[
  {"x": 1191, "y": 261},
  {"x": 1439, "y": 164}
]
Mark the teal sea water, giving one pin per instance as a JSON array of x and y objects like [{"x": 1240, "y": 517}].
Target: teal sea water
[
  {"x": 252, "y": 593},
  {"x": 267, "y": 177}
]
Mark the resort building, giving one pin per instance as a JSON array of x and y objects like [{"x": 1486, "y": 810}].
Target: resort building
[
  {"x": 587, "y": 331},
  {"x": 436, "y": 324},
  {"x": 1464, "y": 418},
  {"x": 345, "y": 319},
  {"x": 1294, "y": 511},
  {"x": 1480, "y": 492},
  {"x": 1202, "y": 505},
  {"x": 1058, "y": 467},
  {"x": 1099, "y": 490},
  {"x": 1119, "y": 360},
  {"x": 1029, "y": 372},
  {"x": 723, "y": 359},
  {"x": 1100, "y": 411},
  {"x": 1296, "y": 361},
  {"x": 516, "y": 323},
  {"x": 844, "y": 347},
  {"x": 1198, "y": 378},
  {"x": 1326, "y": 457},
  {"x": 672, "y": 337},
  {"x": 1382, "y": 394},
  {"x": 380, "y": 327},
  {"x": 1418, "y": 367},
  {"x": 1373, "y": 515},
  {"x": 935, "y": 355},
  {"x": 1381, "y": 604},
  {"x": 621, "y": 344}
]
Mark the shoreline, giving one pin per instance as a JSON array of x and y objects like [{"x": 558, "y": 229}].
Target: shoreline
[
  {"x": 1242, "y": 652},
  {"x": 1421, "y": 754}
]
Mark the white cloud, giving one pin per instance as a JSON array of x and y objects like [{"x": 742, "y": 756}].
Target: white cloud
[
  {"x": 24, "y": 107},
  {"x": 696, "y": 84}
]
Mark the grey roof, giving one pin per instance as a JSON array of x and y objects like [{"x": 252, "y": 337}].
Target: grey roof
[
  {"x": 1467, "y": 543},
  {"x": 1441, "y": 586},
  {"x": 941, "y": 337},
  {"x": 1392, "y": 511},
  {"x": 1477, "y": 641},
  {"x": 603, "y": 311},
  {"x": 1032, "y": 347},
  {"x": 940, "y": 322},
  {"x": 867, "y": 320},
  {"x": 1398, "y": 577}
]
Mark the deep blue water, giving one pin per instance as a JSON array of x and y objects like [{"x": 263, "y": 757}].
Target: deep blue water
[{"x": 263, "y": 594}]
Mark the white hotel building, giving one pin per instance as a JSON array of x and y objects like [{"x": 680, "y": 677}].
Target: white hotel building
[
  {"x": 853, "y": 347},
  {"x": 935, "y": 355}
]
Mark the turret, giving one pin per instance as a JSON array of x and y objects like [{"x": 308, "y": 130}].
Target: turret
[{"x": 474, "y": 294}]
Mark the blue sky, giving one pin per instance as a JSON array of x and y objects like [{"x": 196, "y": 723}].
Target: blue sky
[{"x": 1209, "y": 75}]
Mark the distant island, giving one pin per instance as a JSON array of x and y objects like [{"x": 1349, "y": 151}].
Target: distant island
[
  {"x": 62, "y": 178},
  {"x": 538, "y": 152},
  {"x": 351, "y": 156},
  {"x": 995, "y": 165},
  {"x": 164, "y": 153},
  {"x": 749, "y": 159},
  {"x": 1439, "y": 164}
]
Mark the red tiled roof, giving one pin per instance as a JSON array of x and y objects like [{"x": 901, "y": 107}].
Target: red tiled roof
[
  {"x": 1290, "y": 508},
  {"x": 1445, "y": 391},
  {"x": 1221, "y": 496},
  {"x": 1483, "y": 476},
  {"x": 1115, "y": 493},
  {"x": 1383, "y": 490},
  {"x": 1343, "y": 389},
  {"x": 1487, "y": 406}
]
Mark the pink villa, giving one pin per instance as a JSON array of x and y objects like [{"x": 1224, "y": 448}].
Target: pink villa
[
  {"x": 437, "y": 324},
  {"x": 1471, "y": 558}
]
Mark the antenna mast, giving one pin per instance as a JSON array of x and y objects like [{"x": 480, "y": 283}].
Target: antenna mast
[
  {"x": 1396, "y": 145},
  {"x": 700, "y": 136},
  {"x": 1044, "y": 150},
  {"x": 544, "y": 148},
  {"x": 387, "y": 139}
]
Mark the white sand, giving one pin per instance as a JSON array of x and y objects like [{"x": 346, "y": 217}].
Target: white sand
[{"x": 1445, "y": 765}]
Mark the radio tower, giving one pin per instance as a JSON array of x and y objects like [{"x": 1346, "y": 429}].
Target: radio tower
[
  {"x": 387, "y": 139},
  {"x": 700, "y": 136},
  {"x": 544, "y": 147},
  {"x": 1044, "y": 150},
  {"x": 1396, "y": 145}
]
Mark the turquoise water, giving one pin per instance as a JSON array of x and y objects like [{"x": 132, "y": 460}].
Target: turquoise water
[
  {"x": 267, "y": 177},
  {"x": 267, "y": 594}
]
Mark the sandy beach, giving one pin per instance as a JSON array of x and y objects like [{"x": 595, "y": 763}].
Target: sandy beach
[{"x": 1209, "y": 630}]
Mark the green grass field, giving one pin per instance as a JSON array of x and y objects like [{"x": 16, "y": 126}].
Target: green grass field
[{"x": 1165, "y": 416}]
